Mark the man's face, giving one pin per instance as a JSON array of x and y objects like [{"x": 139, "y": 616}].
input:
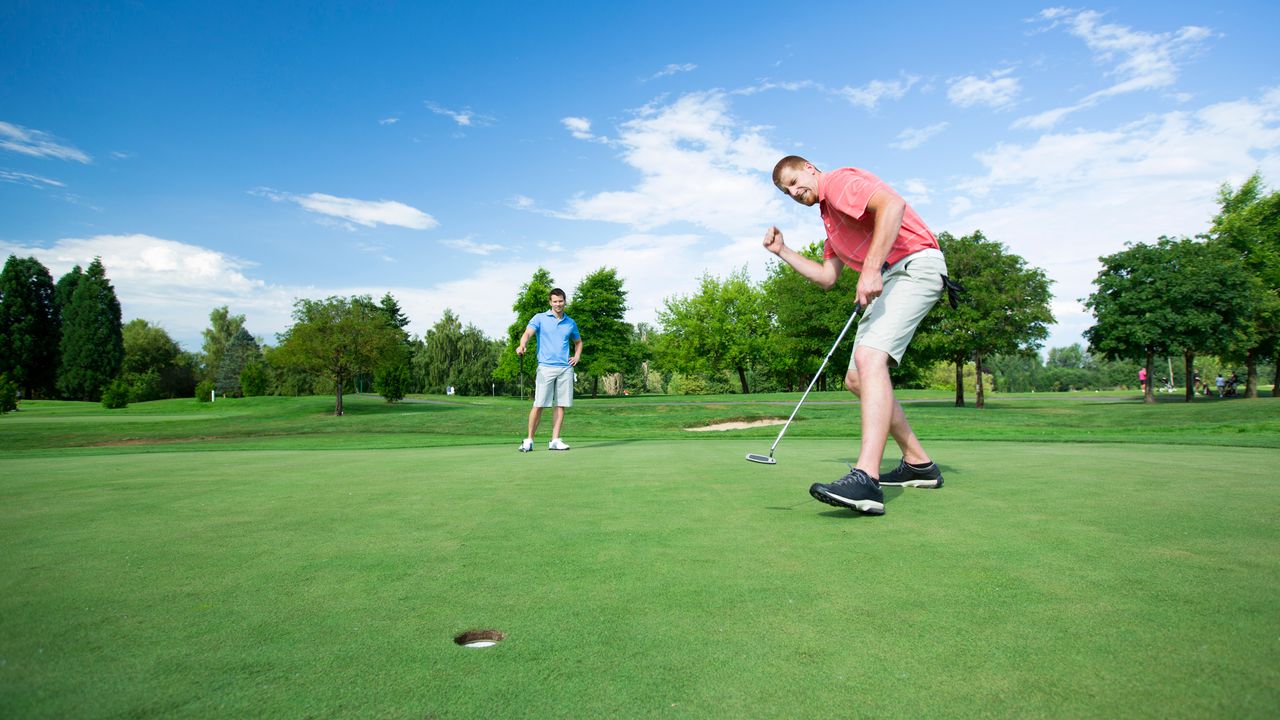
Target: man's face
[
  {"x": 557, "y": 304},
  {"x": 801, "y": 185}
]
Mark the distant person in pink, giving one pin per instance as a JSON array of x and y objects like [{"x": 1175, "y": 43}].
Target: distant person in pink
[{"x": 1142, "y": 379}]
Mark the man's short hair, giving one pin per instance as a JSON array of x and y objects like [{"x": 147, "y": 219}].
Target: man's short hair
[
  {"x": 790, "y": 162},
  {"x": 554, "y": 292}
]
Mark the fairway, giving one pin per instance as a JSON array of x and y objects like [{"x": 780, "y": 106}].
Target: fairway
[{"x": 646, "y": 578}]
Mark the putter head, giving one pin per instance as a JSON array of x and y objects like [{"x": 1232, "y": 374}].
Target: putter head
[{"x": 763, "y": 459}]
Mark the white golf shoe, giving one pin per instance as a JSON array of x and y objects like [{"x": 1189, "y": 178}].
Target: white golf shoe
[
  {"x": 526, "y": 445},
  {"x": 557, "y": 444}
]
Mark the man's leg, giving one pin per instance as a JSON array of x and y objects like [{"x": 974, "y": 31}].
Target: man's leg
[
  {"x": 535, "y": 415},
  {"x": 912, "y": 451},
  {"x": 557, "y": 419}
]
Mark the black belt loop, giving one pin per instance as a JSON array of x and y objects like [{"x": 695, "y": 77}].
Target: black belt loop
[{"x": 954, "y": 290}]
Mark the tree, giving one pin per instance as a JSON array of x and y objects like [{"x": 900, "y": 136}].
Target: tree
[
  {"x": 1005, "y": 308},
  {"x": 391, "y": 381},
  {"x": 807, "y": 320},
  {"x": 1249, "y": 224},
  {"x": 223, "y": 327},
  {"x": 337, "y": 337},
  {"x": 240, "y": 353},
  {"x": 531, "y": 299},
  {"x": 598, "y": 306},
  {"x": 92, "y": 344},
  {"x": 8, "y": 394},
  {"x": 254, "y": 379},
  {"x": 1178, "y": 296},
  {"x": 29, "y": 326},
  {"x": 154, "y": 364},
  {"x": 723, "y": 327},
  {"x": 65, "y": 288}
]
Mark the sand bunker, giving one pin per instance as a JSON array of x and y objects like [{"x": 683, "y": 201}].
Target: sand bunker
[{"x": 737, "y": 425}]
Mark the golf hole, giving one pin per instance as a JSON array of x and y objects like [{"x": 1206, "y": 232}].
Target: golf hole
[{"x": 480, "y": 638}]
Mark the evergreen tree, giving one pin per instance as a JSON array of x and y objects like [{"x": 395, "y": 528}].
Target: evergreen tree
[
  {"x": 240, "y": 353},
  {"x": 29, "y": 327},
  {"x": 92, "y": 345},
  {"x": 65, "y": 288}
]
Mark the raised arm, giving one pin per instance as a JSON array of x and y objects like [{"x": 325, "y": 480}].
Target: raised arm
[{"x": 824, "y": 274}]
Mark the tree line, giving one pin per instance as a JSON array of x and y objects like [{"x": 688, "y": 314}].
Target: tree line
[{"x": 1215, "y": 297}]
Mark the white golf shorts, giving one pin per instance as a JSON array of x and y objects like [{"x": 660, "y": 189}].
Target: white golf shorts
[
  {"x": 554, "y": 386},
  {"x": 912, "y": 287}
]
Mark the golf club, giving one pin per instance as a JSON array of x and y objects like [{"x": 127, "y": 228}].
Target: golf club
[
  {"x": 768, "y": 459},
  {"x": 521, "y": 377}
]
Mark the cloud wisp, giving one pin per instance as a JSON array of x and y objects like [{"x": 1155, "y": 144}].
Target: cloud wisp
[
  {"x": 37, "y": 143},
  {"x": 369, "y": 213},
  {"x": 1137, "y": 60},
  {"x": 672, "y": 69},
  {"x": 997, "y": 90},
  {"x": 912, "y": 138},
  {"x": 465, "y": 117}
]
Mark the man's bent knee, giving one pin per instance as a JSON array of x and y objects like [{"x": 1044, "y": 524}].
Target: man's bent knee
[
  {"x": 870, "y": 359},
  {"x": 851, "y": 381}
]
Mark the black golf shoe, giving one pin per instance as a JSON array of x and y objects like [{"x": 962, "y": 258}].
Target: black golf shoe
[
  {"x": 907, "y": 476},
  {"x": 856, "y": 491}
]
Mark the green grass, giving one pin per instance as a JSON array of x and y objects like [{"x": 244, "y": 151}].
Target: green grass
[{"x": 1086, "y": 558}]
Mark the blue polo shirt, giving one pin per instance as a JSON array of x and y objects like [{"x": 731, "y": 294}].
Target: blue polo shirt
[{"x": 553, "y": 338}]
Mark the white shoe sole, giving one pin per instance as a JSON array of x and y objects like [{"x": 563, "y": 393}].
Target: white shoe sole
[{"x": 868, "y": 507}]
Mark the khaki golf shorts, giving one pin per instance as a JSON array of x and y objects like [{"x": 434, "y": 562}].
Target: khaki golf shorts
[
  {"x": 554, "y": 386},
  {"x": 912, "y": 287}
]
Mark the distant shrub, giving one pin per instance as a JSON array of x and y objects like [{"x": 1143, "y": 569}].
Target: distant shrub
[
  {"x": 116, "y": 394},
  {"x": 8, "y": 394},
  {"x": 203, "y": 390},
  {"x": 392, "y": 381},
  {"x": 253, "y": 379}
]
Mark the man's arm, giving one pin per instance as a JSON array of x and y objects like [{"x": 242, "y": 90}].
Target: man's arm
[
  {"x": 888, "y": 209},
  {"x": 577, "y": 352},
  {"x": 528, "y": 333},
  {"x": 825, "y": 274}
]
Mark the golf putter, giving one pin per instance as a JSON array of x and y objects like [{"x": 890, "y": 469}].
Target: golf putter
[{"x": 768, "y": 459}]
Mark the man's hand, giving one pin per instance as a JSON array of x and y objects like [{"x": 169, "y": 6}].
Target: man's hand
[
  {"x": 520, "y": 349},
  {"x": 870, "y": 285},
  {"x": 573, "y": 361},
  {"x": 773, "y": 240}
]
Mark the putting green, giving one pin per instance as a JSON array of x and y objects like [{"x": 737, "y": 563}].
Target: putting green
[{"x": 637, "y": 579}]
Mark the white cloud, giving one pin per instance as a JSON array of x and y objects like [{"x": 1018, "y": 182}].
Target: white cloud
[
  {"x": 465, "y": 117},
  {"x": 468, "y": 245},
  {"x": 698, "y": 164},
  {"x": 870, "y": 95},
  {"x": 997, "y": 90},
  {"x": 580, "y": 128},
  {"x": 914, "y": 191},
  {"x": 368, "y": 213},
  {"x": 912, "y": 138},
  {"x": 522, "y": 202},
  {"x": 389, "y": 121},
  {"x": 766, "y": 85},
  {"x": 1065, "y": 199},
  {"x": 35, "y": 181},
  {"x": 37, "y": 143},
  {"x": 1138, "y": 60},
  {"x": 673, "y": 69}
]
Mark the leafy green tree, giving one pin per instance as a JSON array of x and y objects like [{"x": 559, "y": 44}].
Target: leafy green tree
[
  {"x": 1005, "y": 309},
  {"x": 336, "y": 338},
  {"x": 807, "y": 319},
  {"x": 1175, "y": 296},
  {"x": 240, "y": 353},
  {"x": 283, "y": 379},
  {"x": 116, "y": 394},
  {"x": 154, "y": 364},
  {"x": 441, "y": 353},
  {"x": 1249, "y": 224},
  {"x": 724, "y": 327},
  {"x": 599, "y": 304},
  {"x": 29, "y": 326},
  {"x": 254, "y": 379},
  {"x": 223, "y": 327},
  {"x": 531, "y": 300},
  {"x": 92, "y": 344}
]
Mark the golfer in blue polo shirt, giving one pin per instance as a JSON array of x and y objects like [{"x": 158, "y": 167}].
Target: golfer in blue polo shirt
[{"x": 555, "y": 368}]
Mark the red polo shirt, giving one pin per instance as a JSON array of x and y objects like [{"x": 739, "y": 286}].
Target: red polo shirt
[{"x": 842, "y": 199}]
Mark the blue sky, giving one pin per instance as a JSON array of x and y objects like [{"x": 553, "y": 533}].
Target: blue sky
[{"x": 230, "y": 154}]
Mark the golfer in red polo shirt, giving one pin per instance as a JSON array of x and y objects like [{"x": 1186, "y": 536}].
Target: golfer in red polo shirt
[{"x": 871, "y": 229}]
